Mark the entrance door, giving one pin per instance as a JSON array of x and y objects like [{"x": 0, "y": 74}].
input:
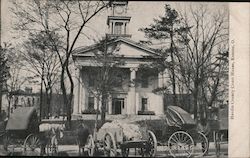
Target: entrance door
[{"x": 117, "y": 105}]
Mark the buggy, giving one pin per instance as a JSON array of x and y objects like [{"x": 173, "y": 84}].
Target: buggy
[
  {"x": 180, "y": 131},
  {"x": 183, "y": 137},
  {"x": 22, "y": 133}
]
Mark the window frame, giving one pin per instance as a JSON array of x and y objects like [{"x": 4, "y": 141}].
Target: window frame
[
  {"x": 89, "y": 107},
  {"x": 144, "y": 104},
  {"x": 145, "y": 82},
  {"x": 118, "y": 28}
]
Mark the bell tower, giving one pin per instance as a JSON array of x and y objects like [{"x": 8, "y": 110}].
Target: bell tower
[{"x": 118, "y": 20}]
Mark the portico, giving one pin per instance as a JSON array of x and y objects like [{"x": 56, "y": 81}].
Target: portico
[
  {"x": 134, "y": 92},
  {"x": 129, "y": 98}
]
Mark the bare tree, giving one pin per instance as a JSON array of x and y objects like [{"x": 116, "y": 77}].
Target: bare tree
[
  {"x": 16, "y": 80},
  {"x": 200, "y": 66},
  {"x": 59, "y": 19},
  {"x": 43, "y": 63}
]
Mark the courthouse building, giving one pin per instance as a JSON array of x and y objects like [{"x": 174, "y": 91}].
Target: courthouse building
[{"x": 128, "y": 97}]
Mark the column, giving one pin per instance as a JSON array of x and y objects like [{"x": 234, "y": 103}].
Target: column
[
  {"x": 110, "y": 105},
  {"x": 160, "y": 79},
  {"x": 132, "y": 94},
  {"x": 77, "y": 92},
  {"x": 164, "y": 79}
]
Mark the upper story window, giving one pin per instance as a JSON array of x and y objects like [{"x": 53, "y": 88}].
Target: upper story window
[
  {"x": 144, "y": 82},
  {"x": 91, "y": 81},
  {"x": 144, "y": 104},
  {"x": 91, "y": 103},
  {"x": 118, "y": 28},
  {"x": 118, "y": 80}
]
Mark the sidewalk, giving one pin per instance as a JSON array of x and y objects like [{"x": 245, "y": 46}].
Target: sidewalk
[{"x": 162, "y": 151}]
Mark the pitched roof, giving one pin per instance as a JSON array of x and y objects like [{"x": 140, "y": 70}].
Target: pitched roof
[{"x": 81, "y": 50}]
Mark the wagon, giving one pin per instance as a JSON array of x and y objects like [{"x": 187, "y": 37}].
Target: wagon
[
  {"x": 22, "y": 133},
  {"x": 183, "y": 138},
  {"x": 113, "y": 142}
]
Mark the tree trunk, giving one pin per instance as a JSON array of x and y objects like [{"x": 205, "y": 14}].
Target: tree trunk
[
  {"x": 48, "y": 100},
  {"x": 195, "y": 95},
  {"x": 47, "y": 105},
  {"x": 96, "y": 119},
  {"x": 71, "y": 95},
  {"x": 1, "y": 101},
  {"x": 172, "y": 69},
  {"x": 103, "y": 108},
  {"x": 65, "y": 100}
]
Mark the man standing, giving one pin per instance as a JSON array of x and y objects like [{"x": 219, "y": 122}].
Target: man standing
[{"x": 204, "y": 127}]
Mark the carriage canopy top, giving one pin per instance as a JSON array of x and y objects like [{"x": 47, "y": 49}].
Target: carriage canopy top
[
  {"x": 177, "y": 116},
  {"x": 20, "y": 118}
]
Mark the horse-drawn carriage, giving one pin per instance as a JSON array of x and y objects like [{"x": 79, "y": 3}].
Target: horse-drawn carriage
[
  {"x": 120, "y": 136},
  {"x": 22, "y": 134},
  {"x": 184, "y": 139}
]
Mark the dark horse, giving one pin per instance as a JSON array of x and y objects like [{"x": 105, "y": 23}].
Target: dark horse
[{"x": 83, "y": 132}]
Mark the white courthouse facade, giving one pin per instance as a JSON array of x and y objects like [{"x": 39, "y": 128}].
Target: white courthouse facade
[{"x": 129, "y": 97}]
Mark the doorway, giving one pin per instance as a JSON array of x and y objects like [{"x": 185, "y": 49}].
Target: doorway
[{"x": 117, "y": 105}]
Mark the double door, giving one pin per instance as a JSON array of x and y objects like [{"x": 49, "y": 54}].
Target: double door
[{"x": 117, "y": 105}]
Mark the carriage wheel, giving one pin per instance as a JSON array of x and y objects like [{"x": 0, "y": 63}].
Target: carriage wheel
[
  {"x": 201, "y": 143},
  {"x": 110, "y": 148},
  {"x": 8, "y": 144},
  {"x": 90, "y": 145},
  {"x": 152, "y": 141},
  {"x": 32, "y": 145},
  {"x": 181, "y": 144}
]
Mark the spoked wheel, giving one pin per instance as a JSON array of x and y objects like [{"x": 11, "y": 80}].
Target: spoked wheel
[
  {"x": 32, "y": 145},
  {"x": 8, "y": 144},
  {"x": 201, "y": 145},
  {"x": 181, "y": 144},
  {"x": 90, "y": 145},
  {"x": 152, "y": 144},
  {"x": 110, "y": 148}
]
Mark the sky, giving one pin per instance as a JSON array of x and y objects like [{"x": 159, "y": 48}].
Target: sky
[
  {"x": 142, "y": 14},
  {"x": 97, "y": 26}
]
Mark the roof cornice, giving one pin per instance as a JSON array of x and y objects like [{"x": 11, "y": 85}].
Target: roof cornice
[{"x": 81, "y": 50}]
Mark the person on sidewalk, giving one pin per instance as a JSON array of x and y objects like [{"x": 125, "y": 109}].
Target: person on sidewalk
[{"x": 204, "y": 127}]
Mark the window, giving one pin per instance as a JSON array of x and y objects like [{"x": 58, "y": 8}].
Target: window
[
  {"x": 118, "y": 28},
  {"x": 118, "y": 81},
  {"x": 144, "y": 83},
  {"x": 144, "y": 104},
  {"x": 91, "y": 103},
  {"x": 91, "y": 81}
]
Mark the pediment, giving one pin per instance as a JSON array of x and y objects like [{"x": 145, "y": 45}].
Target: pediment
[{"x": 124, "y": 47}]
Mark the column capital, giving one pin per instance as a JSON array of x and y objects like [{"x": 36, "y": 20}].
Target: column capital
[{"x": 133, "y": 69}]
